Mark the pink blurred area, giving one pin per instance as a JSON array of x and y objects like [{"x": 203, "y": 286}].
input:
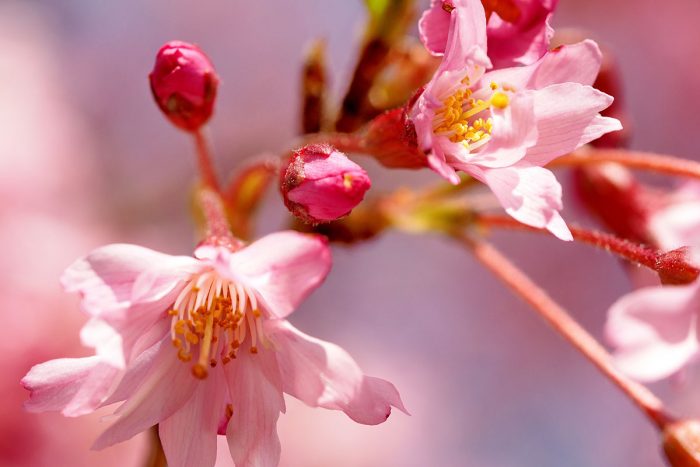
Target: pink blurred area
[{"x": 86, "y": 159}]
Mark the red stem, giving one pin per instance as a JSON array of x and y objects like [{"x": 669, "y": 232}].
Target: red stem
[
  {"x": 671, "y": 267},
  {"x": 567, "y": 327},
  {"x": 206, "y": 170},
  {"x": 633, "y": 159}
]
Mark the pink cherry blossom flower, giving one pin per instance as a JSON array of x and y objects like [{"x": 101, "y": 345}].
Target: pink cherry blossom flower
[
  {"x": 518, "y": 31},
  {"x": 320, "y": 184},
  {"x": 201, "y": 346},
  {"x": 503, "y": 126}
]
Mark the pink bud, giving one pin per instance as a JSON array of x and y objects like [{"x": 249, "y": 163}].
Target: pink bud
[
  {"x": 321, "y": 184},
  {"x": 183, "y": 82}
]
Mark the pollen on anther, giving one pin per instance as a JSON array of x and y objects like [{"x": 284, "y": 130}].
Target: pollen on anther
[
  {"x": 199, "y": 371},
  {"x": 500, "y": 100},
  {"x": 253, "y": 349}
]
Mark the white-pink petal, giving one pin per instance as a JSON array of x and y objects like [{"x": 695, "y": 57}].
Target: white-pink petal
[
  {"x": 283, "y": 268},
  {"x": 531, "y": 195},
  {"x": 106, "y": 277},
  {"x": 167, "y": 387},
  {"x": 257, "y": 402},
  {"x": 654, "y": 330},
  {"x": 568, "y": 117},
  {"x": 189, "y": 435},
  {"x": 74, "y": 386},
  {"x": 321, "y": 374},
  {"x": 576, "y": 63}
]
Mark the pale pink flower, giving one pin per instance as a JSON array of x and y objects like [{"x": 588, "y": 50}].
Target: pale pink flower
[
  {"x": 518, "y": 31},
  {"x": 201, "y": 346},
  {"x": 655, "y": 329},
  {"x": 503, "y": 126},
  {"x": 320, "y": 184}
]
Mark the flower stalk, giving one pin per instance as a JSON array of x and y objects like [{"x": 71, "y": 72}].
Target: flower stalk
[
  {"x": 565, "y": 326},
  {"x": 671, "y": 266},
  {"x": 204, "y": 160},
  {"x": 659, "y": 163}
]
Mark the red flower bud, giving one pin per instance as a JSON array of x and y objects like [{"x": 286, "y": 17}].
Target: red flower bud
[
  {"x": 183, "y": 82},
  {"x": 321, "y": 184}
]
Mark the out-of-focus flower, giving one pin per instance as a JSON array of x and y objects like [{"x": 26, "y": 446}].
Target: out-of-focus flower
[
  {"x": 518, "y": 30},
  {"x": 503, "y": 126},
  {"x": 655, "y": 329},
  {"x": 676, "y": 221},
  {"x": 224, "y": 311},
  {"x": 320, "y": 184},
  {"x": 184, "y": 84}
]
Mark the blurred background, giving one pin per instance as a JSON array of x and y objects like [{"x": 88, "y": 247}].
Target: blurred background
[{"x": 87, "y": 159}]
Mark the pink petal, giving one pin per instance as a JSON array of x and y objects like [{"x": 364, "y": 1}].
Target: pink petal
[
  {"x": 466, "y": 41},
  {"x": 433, "y": 28},
  {"x": 567, "y": 118},
  {"x": 522, "y": 42},
  {"x": 115, "y": 334},
  {"x": 257, "y": 403},
  {"x": 75, "y": 386},
  {"x": 168, "y": 386},
  {"x": 322, "y": 374},
  {"x": 106, "y": 278},
  {"x": 189, "y": 435},
  {"x": 654, "y": 330},
  {"x": 530, "y": 194},
  {"x": 136, "y": 373},
  {"x": 514, "y": 131},
  {"x": 283, "y": 267},
  {"x": 577, "y": 63}
]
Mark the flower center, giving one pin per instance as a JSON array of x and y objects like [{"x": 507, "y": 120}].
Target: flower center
[
  {"x": 459, "y": 117},
  {"x": 211, "y": 319}
]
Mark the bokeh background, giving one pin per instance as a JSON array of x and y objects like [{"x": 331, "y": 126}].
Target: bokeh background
[{"x": 86, "y": 159}]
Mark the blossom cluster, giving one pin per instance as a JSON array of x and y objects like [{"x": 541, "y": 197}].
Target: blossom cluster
[{"x": 201, "y": 345}]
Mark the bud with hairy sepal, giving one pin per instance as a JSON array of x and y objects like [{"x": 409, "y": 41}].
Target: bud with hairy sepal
[
  {"x": 320, "y": 184},
  {"x": 184, "y": 84}
]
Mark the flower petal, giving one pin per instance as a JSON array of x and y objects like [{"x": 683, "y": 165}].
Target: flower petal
[
  {"x": 322, "y": 374},
  {"x": 514, "y": 131},
  {"x": 655, "y": 330},
  {"x": 577, "y": 63},
  {"x": 75, "y": 386},
  {"x": 567, "y": 118},
  {"x": 106, "y": 278},
  {"x": 283, "y": 267},
  {"x": 257, "y": 403},
  {"x": 189, "y": 435},
  {"x": 433, "y": 27},
  {"x": 168, "y": 386},
  {"x": 530, "y": 194},
  {"x": 523, "y": 41},
  {"x": 466, "y": 41}
]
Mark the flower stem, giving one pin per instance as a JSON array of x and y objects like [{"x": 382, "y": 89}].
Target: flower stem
[
  {"x": 633, "y": 159},
  {"x": 156, "y": 457},
  {"x": 669, "y": 267},
  {"x": 206, "y": 169},
  {"x": 218, "y": 231},
  {"x": 566, "y": 326}
]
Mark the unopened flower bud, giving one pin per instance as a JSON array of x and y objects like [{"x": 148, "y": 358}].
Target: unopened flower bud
[
  {"x": 183, "y": 82},
  {"x": 321, "y": 184}
]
